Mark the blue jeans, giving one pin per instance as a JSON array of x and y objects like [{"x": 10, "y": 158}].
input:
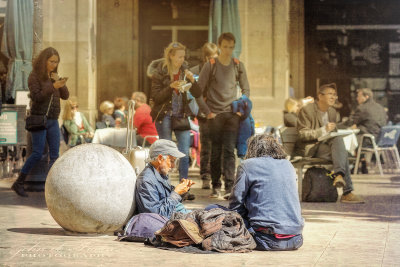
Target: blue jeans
[
  {"x": 39, "y": 138},
  {"x": 164, "y": 131},
  {"x": 335, "y": 150},
  {"x": 270, "y": 242}
]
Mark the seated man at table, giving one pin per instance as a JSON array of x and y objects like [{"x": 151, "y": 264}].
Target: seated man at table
[
  {"x": 318, "y": 119},
  {"x": 144, "y": 124},
  {"x": 265, "y": 195},
  {"x": 369, "y": 117},
  {"x": 154, "y": 192}
]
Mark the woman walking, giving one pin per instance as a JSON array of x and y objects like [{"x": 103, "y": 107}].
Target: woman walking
[{"x": 46, "y": 88}]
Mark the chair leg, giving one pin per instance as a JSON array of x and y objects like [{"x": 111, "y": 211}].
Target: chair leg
[
  {"x": 300, "y": 181},
  {"x": 378, "y": 161},
  {"x": 397, "y": 157},
  {"x": 358, "y": 158},
  {"x": 392, "y": 160}
]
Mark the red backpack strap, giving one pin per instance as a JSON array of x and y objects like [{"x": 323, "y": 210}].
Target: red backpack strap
[
  {"x": 237, "y": 62},
  {"x": 212, "y": 61}
]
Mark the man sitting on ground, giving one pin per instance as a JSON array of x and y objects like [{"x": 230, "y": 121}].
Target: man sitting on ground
[
  {"x": 154, "y": 193},
  {"x": 318, "y": 119},
  {"x": 265, "y": 195}
]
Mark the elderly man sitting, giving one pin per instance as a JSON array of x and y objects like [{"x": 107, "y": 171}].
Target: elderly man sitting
[{"x": 154, "y": 192}]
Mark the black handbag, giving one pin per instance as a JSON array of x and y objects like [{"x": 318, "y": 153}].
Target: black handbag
[
  {"x": 37, "y": 122},
  {"x": 180, "y": 124}
]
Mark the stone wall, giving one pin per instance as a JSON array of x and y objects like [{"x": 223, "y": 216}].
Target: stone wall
[
  {"x": 98, "y": 44},
  {"x": 68, "y": 26},
  {"x": 265, "y": 54}
]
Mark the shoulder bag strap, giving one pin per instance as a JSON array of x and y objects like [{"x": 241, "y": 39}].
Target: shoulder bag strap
[{"x": 48, "y": 108}]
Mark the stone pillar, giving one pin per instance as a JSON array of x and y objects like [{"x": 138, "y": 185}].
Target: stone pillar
[
  {"x": 37, "y": 27},
  {"x": 296, "y": 47},
  {"x": 265, "y": 27},
  {"x": 70, "y": 27}
]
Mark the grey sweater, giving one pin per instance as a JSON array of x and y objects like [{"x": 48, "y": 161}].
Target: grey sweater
[
  {"x": 222, "y": 91},
  {"x": 265, "y": 193}
]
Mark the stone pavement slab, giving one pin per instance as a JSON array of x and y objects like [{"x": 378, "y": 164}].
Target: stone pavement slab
[{"x": 335, "y": 234}]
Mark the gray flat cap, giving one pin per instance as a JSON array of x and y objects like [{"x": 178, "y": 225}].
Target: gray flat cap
[{"x": 164, "y": 147}]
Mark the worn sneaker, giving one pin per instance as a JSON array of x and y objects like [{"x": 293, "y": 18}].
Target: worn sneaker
[
  {"x": 339, "y": 181},
  {"x": 226, "y": 196},
  {"x": 352, "y": 199},
  {"x": 206, "y": 184},
  {"x": 216, "y": 193}
]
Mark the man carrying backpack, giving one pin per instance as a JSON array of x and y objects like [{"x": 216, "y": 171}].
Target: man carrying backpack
[{"x": 219, "y": 79}]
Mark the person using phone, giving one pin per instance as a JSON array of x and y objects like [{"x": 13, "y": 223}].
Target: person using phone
[
  {"x": 154, "y": 192},
  {"x": 45, "y": 94},
  {"x": 171, "y": 109}
]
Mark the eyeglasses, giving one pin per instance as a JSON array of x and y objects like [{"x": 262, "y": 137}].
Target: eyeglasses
[
  {"x": 175, "y": 45},
  {"x": 74, "y": 107},
  {"x": 331, "y": 94}
]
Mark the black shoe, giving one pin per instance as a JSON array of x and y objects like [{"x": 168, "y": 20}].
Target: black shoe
[
  {"x": 364, "y": 169},
  {"x": 18, "y": 185},
  {"x": 206, "y": 184},
  {"x": 19, "y": 189},
  {"x": 188, "y": 196}
]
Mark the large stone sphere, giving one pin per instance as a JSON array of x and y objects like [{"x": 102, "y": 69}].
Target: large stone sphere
[{"x": 91, "y": 189}]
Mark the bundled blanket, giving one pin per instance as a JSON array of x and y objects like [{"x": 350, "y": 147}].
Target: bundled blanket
[{"x": 216, "y": 229}]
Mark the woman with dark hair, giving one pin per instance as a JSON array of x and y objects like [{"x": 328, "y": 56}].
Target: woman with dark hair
[
  {"x": 265, "y": 195},
  {"x": 45, "y": 91}
]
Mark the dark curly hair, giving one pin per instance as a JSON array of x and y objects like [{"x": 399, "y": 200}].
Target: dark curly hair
[
  {"x": 40, "y": 63},
  {"x": 264, "y": 145}
]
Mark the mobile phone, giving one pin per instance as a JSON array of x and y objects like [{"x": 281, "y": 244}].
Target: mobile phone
[{"x": 64, "y": 78}]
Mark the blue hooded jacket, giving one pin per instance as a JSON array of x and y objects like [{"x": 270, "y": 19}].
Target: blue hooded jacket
[{"x": 246, "y": 126}]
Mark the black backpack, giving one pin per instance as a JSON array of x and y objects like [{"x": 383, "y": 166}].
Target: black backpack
[{"x": 318, "y": 187}]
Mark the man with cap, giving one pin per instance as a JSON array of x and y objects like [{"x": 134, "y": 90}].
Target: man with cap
[{"x": 154, "y": 192}]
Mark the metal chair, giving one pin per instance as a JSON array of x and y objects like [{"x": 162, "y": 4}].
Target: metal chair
[{"x": 387, "y": 147}]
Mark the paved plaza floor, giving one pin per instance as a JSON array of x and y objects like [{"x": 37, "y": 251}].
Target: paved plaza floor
[{"x": 335, "y": 234}]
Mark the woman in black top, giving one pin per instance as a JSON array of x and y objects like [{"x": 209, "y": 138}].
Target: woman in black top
[{"x": 46, "y": 89}]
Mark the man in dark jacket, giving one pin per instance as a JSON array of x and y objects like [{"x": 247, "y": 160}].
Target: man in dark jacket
[
  {"x": 154, "y": 193},
  {"x": 319, "y": 119},
  {"x": 369, "y": 116}
]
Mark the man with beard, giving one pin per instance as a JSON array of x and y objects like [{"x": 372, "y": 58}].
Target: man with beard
[{"x": 154, "y": 192}]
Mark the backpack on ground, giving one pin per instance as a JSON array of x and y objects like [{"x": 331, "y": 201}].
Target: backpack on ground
[{"x": 318, "y": 187}]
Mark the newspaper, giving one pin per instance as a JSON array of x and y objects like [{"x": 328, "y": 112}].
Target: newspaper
[{"x": 341, "y": 132}]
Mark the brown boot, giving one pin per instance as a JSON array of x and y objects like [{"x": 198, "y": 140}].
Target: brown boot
[
  {"x": 352, "y": 199},
  {"x": 18, "y": 185}
]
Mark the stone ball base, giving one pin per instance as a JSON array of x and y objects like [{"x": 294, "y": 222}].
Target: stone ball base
[{"x": 91, "y": 189}]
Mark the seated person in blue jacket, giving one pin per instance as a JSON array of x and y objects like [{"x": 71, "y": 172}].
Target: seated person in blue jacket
[
  {"x": 265, "y": 195},
  {"x": 154, "y": 192}
]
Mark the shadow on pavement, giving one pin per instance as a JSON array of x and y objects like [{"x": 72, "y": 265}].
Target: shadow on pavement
[
  {"x": 39, "y": 231},
  {"x": 384, "y": 208}
]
